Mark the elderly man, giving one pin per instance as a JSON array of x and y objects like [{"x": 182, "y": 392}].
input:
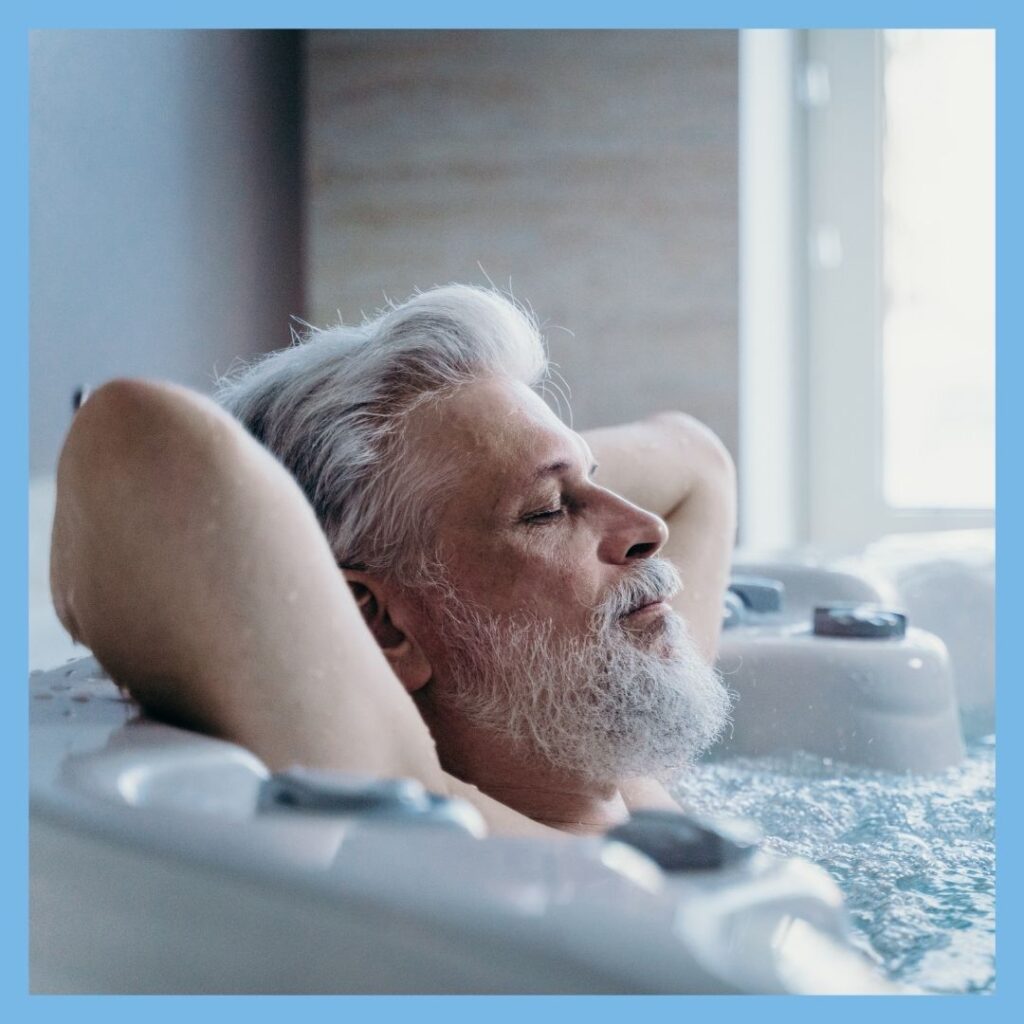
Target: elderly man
[{"x": 467, "y": 592}]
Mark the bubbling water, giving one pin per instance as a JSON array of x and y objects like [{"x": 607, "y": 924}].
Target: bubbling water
[{"x": 913, "y": 854}]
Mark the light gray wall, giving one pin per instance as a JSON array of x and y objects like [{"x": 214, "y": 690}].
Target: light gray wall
[
  {"x": 165, "y": 208},
  {"x": 596, "y": 170}
]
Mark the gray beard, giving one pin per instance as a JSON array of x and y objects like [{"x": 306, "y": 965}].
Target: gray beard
[{"x": 613, "y": 705}]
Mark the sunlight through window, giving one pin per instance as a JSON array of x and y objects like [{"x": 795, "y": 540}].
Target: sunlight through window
[{"x": 938, "y": 352}]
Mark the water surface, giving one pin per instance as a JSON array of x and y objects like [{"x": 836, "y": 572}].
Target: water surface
[{"x": 914, "y": 855}]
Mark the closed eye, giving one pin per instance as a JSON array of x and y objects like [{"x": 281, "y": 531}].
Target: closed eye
[{"x": 544, "y": 516}]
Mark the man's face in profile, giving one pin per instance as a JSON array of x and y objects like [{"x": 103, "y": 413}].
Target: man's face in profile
[
  {"x": 525, "y": 528},
  {"x": 555, "y": 628}
]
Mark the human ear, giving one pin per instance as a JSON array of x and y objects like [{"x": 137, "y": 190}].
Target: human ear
[{"x": 390, "y": 621}]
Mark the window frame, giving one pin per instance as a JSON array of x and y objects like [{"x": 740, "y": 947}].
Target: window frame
[{"x": 811, "y": 461}]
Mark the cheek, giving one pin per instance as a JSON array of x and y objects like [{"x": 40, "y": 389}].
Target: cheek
[
  {"x": 559, "y": 586},
  {"x": 529, "y": 572}
]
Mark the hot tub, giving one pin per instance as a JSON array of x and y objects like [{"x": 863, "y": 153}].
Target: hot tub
[{"x": 160, "y": 864}]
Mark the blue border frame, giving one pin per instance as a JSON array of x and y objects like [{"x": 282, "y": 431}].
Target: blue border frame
[{"x": 462, "y": 14}]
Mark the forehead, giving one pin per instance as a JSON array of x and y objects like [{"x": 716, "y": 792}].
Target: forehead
[{"x": 498, "y": 433}]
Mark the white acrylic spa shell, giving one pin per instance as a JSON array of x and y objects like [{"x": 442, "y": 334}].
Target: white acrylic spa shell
[{"x": 155, "y": 869}]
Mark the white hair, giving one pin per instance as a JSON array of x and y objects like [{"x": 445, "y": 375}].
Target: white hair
[
  {"x": 605, "y": 706},
  {"x": 333, "y": 408}
]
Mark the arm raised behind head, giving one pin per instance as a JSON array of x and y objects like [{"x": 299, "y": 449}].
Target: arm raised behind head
[
  {"x": 673, "y": 465},
  {"x": 187, "y": 558}
]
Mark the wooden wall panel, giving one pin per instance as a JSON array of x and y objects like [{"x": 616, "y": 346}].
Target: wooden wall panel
[{"x": 595, "y": 171}]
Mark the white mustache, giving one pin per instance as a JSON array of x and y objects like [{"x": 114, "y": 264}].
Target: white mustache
[{"x": 653, "y": 579}]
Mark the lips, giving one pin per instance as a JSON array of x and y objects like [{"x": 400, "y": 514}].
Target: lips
[{"x": 657, "y": 602}]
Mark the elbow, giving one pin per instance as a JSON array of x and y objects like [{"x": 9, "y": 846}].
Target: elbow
[{"x": 699, "y": 446}]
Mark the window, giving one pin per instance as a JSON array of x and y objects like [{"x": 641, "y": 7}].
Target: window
[
  {"x": 938, "y": 328},
  {"x": 867, "y": 278}
]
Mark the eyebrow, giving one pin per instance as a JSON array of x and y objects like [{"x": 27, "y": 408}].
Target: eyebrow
[{"x": 558, "y": 468}]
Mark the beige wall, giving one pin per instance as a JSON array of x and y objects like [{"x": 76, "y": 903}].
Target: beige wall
[{"x": 595, "y": 170}]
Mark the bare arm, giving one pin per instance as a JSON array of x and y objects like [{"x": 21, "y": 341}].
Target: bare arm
[
  {"x": 674, "y": 466},
  {"x": 190, "y": 562}
]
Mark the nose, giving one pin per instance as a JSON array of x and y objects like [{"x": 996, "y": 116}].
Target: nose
[{"x": 630, "y": 533}]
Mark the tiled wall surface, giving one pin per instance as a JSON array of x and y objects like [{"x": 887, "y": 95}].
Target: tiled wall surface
[{"x": 596, "y": 171}]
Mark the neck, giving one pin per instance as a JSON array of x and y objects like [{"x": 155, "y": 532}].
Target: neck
[
  {"x": 522, "y": 781},
  {"x": 561, "y": 803}
]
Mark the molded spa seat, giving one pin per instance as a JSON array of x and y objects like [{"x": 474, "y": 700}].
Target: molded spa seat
[
  {"x": 944, "y": 581},
  {"x": 164, "y": 861},
  {"x": 885, "y": 702}
]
